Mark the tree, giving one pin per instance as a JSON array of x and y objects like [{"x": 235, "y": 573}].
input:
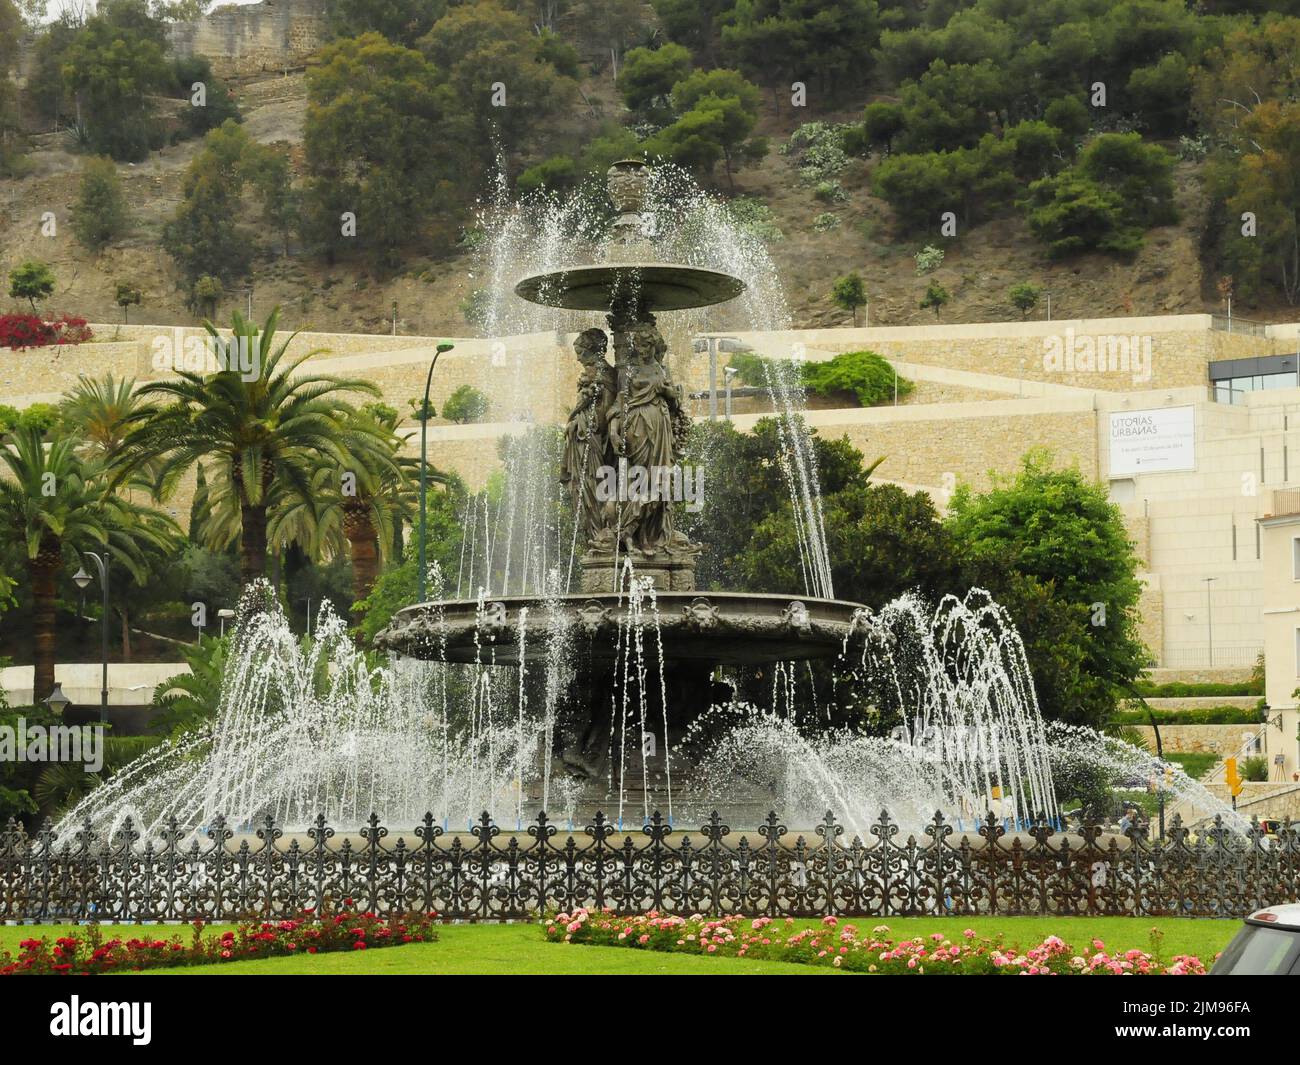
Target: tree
[
  {"x": 258, "y": 431},
  {"x": 1024, "y": 297},
  {"x": 649, "y": 74},
  {"x": 1072, "y": 214},
  {"x": 1051, "y": 548},
  {"x": 99, "y": 215},
  {"x": 465, "y": 404},
  {"x": 949, "y": 107},
  {"x": 881, "y": 123},
  {"x": 1070, "y": 115},
  {"x": 379, "y": 159},
  {"x": 401, "y": 21},
  {"x": 919, "y": 188},
  {"x": 556, "y": 173},
  {"x": 935, "y": 296},
  {"x": 1160, "y": 94},
  {"x": 204, "y": 236},
  {"x": 611, "y": 23},
  {"x": 206, "y": 293},
  {"x": 127, "y": 294},
  {"x": 55, "y": 505},
  {"x": 358, "y": 510},
  {"x": 31, "y": 281},
  {"x": 716, "y": 113},
  {"x": 753, "y": 488},
  {"x": 821, "y": 41},
  {"x": 849, "y": 293},
  {"x": 481, "y": 51},
  {"x": 112, "y": 66},
  {"x": 97, "y": 415},
  {"x": 209, "y": 100},
  {"x": 882, "y": 540}
]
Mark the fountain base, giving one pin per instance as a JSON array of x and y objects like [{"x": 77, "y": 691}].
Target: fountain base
[{"x": 667, "y": 571}]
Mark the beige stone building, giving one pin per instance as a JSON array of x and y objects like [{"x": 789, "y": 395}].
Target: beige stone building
[{"x": 1280, "y": 608}]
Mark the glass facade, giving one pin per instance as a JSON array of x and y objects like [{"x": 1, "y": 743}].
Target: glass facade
[{"x": 1231, "y": 379}]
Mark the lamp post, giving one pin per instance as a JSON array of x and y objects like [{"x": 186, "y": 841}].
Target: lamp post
[
  {"x": 424, "y": 464},
  {"x": 82, "y": 580},
  {"x": 223, "y": 613},
  {"x": 727, "y": 375}
]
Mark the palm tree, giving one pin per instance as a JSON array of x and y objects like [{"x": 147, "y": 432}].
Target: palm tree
[
  {"x": 100, "y": 413},
  {"x": 262, "y": 432},
  {"x": 358, "y": 510},
  {"x": 54, "y": 503}
]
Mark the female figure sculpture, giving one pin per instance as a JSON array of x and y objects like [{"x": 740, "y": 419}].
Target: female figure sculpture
[
  {"x": 586, "y": 435},
  {"x": 644, "y": 431}
]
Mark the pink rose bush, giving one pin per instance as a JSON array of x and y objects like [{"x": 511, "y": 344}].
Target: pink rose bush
[
  {"x": 308, "y": 932},
  {"x": 841, "y": 945}
]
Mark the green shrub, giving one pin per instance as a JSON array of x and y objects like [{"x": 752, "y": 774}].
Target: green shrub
[
  {"x": 1183, "y": 690},
  {"x": 466, "y": 404},
  {"x": 1255, "y": 769},
  {"x": 1210, "y": 715},
  {"x": 863, "y": 374}
]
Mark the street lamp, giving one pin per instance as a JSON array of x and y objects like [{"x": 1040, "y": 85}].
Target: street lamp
[
  {"x": 82, "y": 580},
  {"x": 727, "y": 375},
  {"x": 223, "y": 613},
  {"x": 713, "y": 345},
  {"x": 56, "y": 700},
  {"x": 1209, "y": 615},
  {"x": 424, "y": 464}
]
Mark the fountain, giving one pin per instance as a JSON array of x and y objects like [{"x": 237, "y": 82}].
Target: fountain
[
  {"x": 621, "y": 466},
  {"x": 613, "y": 696}
]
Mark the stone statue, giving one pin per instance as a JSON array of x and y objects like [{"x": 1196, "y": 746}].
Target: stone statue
[
  {"x": 586, "y": 435},
  {"x": 643, "y": 431}
]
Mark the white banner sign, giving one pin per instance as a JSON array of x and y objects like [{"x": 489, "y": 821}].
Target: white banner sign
[{"x": 1152, "y": 441}]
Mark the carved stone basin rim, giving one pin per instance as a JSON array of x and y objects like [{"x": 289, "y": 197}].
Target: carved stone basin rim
[{"x": 725, "y": 627}]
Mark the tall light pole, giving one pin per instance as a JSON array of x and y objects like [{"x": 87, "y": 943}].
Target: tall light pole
[
  {"x": 424, "y": 463},
  {"x": 82, "y": 579},
  {"x": 1209, "y": 614}
]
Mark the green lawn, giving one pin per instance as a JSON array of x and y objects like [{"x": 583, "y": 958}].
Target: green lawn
[{"x": 521, "y": 948}]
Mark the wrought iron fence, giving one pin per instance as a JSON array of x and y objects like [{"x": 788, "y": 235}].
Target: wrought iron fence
[{"x": 488, "y": 874}]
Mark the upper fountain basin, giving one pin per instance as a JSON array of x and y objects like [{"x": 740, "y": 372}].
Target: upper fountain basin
[
  {"x": 654, "y": 286},
  {"x": 733, "y": 628}
]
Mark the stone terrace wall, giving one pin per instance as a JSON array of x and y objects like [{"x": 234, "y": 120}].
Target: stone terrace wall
[
  {"x": 1180, "y": 346},
  {"x": 249, "y": 39}
]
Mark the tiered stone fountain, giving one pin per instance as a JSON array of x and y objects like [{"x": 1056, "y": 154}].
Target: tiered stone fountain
[{"x": 629, "y": 415}]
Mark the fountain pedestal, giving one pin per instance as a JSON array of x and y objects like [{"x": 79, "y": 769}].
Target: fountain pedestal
[{"x": 668, "y": 570}]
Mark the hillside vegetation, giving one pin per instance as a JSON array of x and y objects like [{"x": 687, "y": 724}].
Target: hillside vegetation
[{"x": 1113, "y": 156}]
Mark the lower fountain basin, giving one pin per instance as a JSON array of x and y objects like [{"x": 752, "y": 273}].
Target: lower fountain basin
[{"x": 729, "y": 628}]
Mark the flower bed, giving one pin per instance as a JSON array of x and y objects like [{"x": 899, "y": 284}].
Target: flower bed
[
  {"x": 308, "y": 933},
  {"x": 841, "y": 946},
  {"x": 19, "y": 331}
]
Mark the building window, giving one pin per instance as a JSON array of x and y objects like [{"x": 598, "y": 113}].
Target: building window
[
  {"x": 1297, "y": 652},
  {"x": 1295, "y": 558}
]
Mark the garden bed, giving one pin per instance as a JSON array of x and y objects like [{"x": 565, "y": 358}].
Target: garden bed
[
  {"x": 87, "y": 951},
  {"x": 842, "y": 945}
]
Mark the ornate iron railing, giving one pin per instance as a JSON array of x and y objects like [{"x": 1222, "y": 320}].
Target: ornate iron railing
[{"x": 488, "y": 874}]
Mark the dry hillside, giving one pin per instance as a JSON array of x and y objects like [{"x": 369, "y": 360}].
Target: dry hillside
[{"x": 1165, "y": 277}]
